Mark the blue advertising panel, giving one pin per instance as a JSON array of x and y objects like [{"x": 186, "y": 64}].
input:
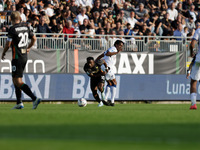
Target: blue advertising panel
[{"x": 75, "y": 86}]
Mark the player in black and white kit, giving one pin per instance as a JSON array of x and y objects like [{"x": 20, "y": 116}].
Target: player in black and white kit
[
  {"x": 110, "y": 58},
  {"x": 96, "y": 70},
  {"x": 18, "y": 36}
]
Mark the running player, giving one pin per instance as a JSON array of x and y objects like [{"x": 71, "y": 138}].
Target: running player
[
  {"x": 110, "y": 58},
  {"x": 97, "y": 78},
  {"x": 195, "y": 71},
  {"x": 18, "y": 36}
]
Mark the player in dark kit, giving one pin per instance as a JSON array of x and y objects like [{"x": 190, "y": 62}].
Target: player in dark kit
[
  {"x": 97, "y": 72},
  {"x": 18, "y": 36}
]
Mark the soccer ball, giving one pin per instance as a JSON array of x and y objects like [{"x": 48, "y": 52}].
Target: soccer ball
[{"x": 82, "y": 102}]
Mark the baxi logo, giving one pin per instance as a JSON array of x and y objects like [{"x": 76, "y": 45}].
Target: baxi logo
[
  {"x": 81, "y": 87},
  {"x": 39, "y": 84}
]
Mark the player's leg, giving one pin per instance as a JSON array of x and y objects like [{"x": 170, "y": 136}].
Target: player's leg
[
  {"x": 108, "y": 89},
  {"x": 17, "y": 73},
  {"x": 113, "y": 88},
  {"x": 195, "y": 76},
  {"x": 18, "y": 94},
  {"x": 94, "y": 87},
  {"x": 101, "y": 89},
  {"x": 193, "y": 93}
]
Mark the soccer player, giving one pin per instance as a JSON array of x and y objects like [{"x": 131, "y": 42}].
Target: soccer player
[
  {"x": 18, "y": 36},
  {"x": 97, "y": 78},
  {"x": 195, "y": 71},
  {"x": 110, "y": 58}
]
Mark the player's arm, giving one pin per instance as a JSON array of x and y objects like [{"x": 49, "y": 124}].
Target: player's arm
[
  {"x": 33, "y": 40},
  {"x": 192, "y": 47},
  {"x": 190, "y": 67},
  {"x": 111, "y": 53},
  {"x": 7, "y": 45},
  {"x": 99, "y": 57}
]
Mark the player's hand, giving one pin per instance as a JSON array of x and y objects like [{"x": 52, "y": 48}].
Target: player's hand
[
  {"x": 3, "y": 56},
  {"x": 28, "y": 50},
  {"x": 187, "y": 76}
]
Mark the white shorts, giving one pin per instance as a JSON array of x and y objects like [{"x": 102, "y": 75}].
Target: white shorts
[
  {"x": 110, "y": 75},
  {"x": 195, "y": 73}
]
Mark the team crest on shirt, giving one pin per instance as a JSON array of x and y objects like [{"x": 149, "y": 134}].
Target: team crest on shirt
[{"x": 13, "y": 68}]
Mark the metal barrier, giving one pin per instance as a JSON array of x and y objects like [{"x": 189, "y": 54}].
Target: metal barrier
[{"x": 103, "y": 42}]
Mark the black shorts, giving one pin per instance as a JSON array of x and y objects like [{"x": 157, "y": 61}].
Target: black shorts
[
  {"x": 94, "y": 81},
  {"x": 18, "y": 66}
]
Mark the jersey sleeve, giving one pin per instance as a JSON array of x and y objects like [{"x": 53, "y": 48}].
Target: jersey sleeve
[
  {"x": 87, "y": 70},
  {"x": 196, "y": 35}
]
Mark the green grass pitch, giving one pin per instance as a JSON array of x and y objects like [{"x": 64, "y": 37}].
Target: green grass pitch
[{"x": 123, "y": 127}]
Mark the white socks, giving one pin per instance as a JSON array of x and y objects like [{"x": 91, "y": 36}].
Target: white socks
[
  {"x": 113, "y": 93},
  {"x": 107, "y": 92},
  {"x": 193, "y": 98},
  {"x": 102, "y": 96}
]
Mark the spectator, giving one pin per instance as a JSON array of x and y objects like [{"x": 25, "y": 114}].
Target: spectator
[
  {"x": 84, "y": 3},
  {"x": 68, "y": 29},
  {"x": 23, "y": 17},
  {"x": 156, "y": 25},
  {"x": 179, "y": 31},
  {"x": 73, "y": 9},
  {"x": 82, "y": 16},
  {"x": 119, "y": 3},
  {"x": 128, "y": 30},
  {"x": 152, "y": 4},
  {"x": 123, "y": 18},
  {"x": 57, "y": 28},
  {"x": 197, "y": 5},
  {"x": 48, "y": 9},
  {"x": 34, "y": 25},
  {"x": 88, "y": 12},
  {"x": 145, "y": 19},
  {"x": 84, "y": 27},
  {"x": 185, "y": 32},
  {"x": 68, "y": 15},
  {"x": 187, "y": 4},
  {"x": 126, "y": 10},
  {"x": 143, "y": 30},
  {"x": 75, "y": 25},
  {"x": 96, "y": 19},
  {"x": 43, "y": 27},
  {"x": 190, "y": 24},
  {"x": 118, "y": 27},
  {"x": 162, "y": 4},
  {"x": 176, "y": 22},
  {"x": 132, "y": 20},
  {"x": 103, "y": 41},
  {"x": 97, "y": 7},
  {"x": 180, "y": 10},
  {"x": 193, "y": 13},
  {"x": 173, "y": 13},
  {"x": 140, "y": 11},
  {"x": 28, "y": 14},
  {"x": 166, "y": 24},
  {"x": 101, "y": 19},
  {"x": 110, "y": 20},
  {"x": 92, "y": 28},
  {"x": 108, "y": 28}
]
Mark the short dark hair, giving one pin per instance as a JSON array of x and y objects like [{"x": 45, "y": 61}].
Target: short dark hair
[
  {"x": 117, "y": 42},
  {"x": 89, "y": 58}
]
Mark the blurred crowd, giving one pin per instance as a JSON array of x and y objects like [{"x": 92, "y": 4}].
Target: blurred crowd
[{"x": 105, "y": 17}]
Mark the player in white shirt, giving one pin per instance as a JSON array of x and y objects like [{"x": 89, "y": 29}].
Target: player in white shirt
[
  {"x": 195, "y": 72},
  {"x": 110, "y": 58}
]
